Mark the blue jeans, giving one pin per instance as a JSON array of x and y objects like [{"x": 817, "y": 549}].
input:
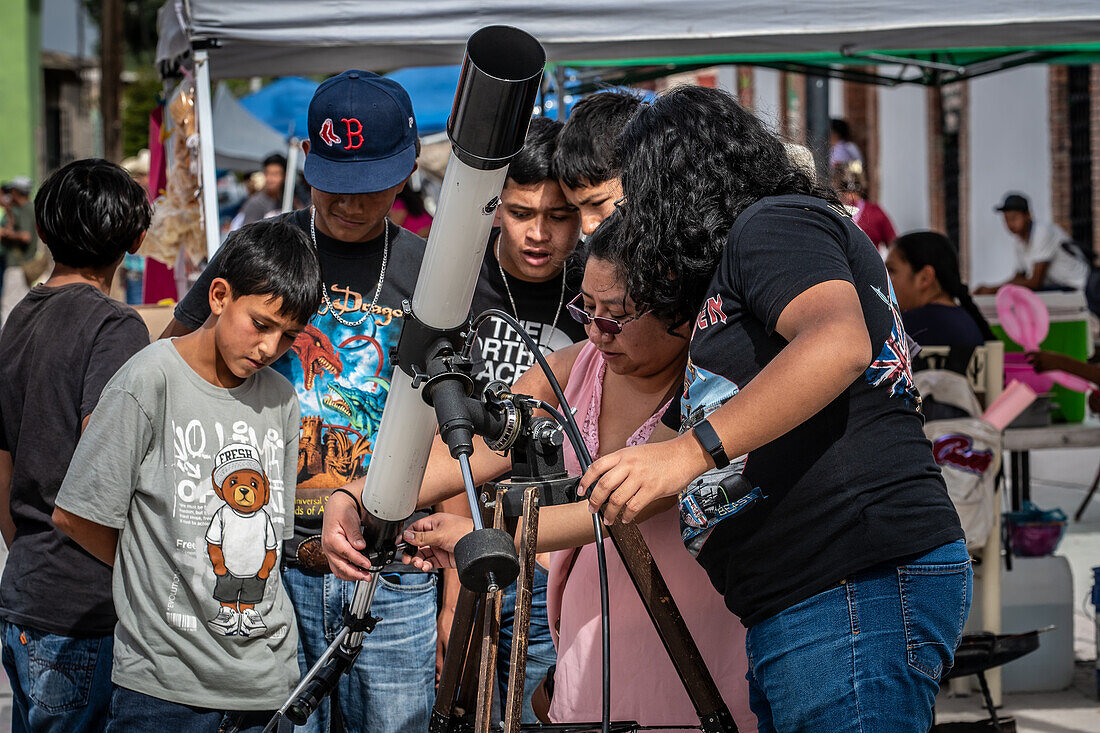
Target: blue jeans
[
  {"x": 541, "y": 654},
  {"x": 391, "y": 688},
  {"x": 58, "y": 683},
  {"x": 867, "y": 655},
  {"x": 134, "y": 711}
]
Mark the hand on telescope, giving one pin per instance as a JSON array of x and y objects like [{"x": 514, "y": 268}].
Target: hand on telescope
[
  {"x": 436, "y": 535},
  {"x": 623, "y": 483},
  {"x": 342, "y": 538}
]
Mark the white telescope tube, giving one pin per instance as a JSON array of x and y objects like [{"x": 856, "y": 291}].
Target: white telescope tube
[{"x": 488, "y": 122}]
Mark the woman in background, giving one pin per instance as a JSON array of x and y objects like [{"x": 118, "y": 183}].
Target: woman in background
[{"x": 936, "y": 306}]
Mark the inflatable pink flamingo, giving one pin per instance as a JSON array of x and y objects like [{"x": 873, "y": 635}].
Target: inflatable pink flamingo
[{"x": 1025, "y": 319}]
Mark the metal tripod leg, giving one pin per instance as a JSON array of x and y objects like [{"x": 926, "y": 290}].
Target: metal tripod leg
[
  {"x": 458, "y": 647},
  {"x": 521, "y": 620},
  {"x": 682, "y": 650},
  {"x": 468, "y": 679},
  {"x": 465, "y": 656},
  {"x": 490, "y": 639}
]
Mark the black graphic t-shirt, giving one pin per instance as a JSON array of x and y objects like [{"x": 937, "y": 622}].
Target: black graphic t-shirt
[
  {"x": 59, "y": 348},
  {"x": 341, "y": 373},
  {"x": 499, "y": 352},
  {"x": 856, "y": 484}
]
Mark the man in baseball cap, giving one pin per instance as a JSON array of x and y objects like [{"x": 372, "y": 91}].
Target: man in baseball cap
[
  {"x": 361, "y": 150},
  {"x": 1046, "y": 257}
]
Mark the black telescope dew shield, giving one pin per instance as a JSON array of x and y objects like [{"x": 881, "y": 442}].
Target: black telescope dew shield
[{"x": 500, "y": 79}]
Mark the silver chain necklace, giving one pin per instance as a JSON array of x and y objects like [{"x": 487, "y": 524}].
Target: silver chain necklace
[
  {"x": 381, "y": 275},
  {"x": 512, "y": 300}
]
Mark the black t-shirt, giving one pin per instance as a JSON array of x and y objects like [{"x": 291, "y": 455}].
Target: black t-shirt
[
  {"x": 540, "y": 307},
  {"x": 856, "y": 484},
  {"x": 938, "y": 324},
  {"x": 341, "y": 373},
  {"x": 59, "y": 347}
]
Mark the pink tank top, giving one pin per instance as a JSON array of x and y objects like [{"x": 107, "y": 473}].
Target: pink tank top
[{"x": 644, "y": 685}]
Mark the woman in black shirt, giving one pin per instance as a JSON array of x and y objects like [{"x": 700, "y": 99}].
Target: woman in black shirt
[
  {"x": 841, "y": 551},
  {"x": 936, "y": 306}
]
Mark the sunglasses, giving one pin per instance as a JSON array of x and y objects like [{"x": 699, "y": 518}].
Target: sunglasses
[{"x": 605, "y": 325}]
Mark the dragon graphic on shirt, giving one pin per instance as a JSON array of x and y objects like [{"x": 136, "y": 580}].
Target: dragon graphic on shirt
[
  {"x": 315, "y": 351},
  {"x": 361, "y": 407},
  {"x": 341, "y": 374}
]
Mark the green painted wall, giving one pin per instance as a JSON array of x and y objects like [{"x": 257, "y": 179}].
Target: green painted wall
[{"x": 20, "y": 87}]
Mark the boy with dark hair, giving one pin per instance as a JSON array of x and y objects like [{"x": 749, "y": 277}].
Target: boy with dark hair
[
  {"x": 184, "y": 481},
  {"x": 361, "y": 151},
  {"x": 529, "y": 269},
  {"x": 585, "y": 162},
  {"x": 61, "y": 345}
]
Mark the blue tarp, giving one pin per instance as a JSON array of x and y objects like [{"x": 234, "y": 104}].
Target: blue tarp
[
  {"x": 432, "y": 90},
  {"x": 283, "y": 103}
]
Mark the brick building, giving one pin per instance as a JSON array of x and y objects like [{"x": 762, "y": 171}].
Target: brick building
[{"x": 942, "y": 157}]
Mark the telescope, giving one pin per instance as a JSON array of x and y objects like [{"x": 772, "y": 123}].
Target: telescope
[{"x": 499, "y": 82}]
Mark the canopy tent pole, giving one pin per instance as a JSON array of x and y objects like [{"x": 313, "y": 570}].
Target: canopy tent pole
[
  {"x": 204, "y": 106},
  {"x": 293, "y": 150},
  {"x": 817, "y": 123}
]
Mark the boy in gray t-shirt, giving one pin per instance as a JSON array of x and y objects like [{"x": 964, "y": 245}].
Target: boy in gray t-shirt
[{"x": 184, "y": 481}]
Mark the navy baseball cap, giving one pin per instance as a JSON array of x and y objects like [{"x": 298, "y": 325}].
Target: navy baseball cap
[{"x": 362, "y": 134}]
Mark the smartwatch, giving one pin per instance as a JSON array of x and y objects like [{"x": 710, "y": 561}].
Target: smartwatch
[{"x": 711, "y": 443}]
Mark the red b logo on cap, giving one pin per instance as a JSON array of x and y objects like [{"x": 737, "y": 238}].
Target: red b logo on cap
[{"x": 356, "y": 132}]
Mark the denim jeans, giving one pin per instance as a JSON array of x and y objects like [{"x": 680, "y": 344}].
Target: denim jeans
[
  {"x": 867, "y": 655},
  {"x": 134, "y": 711},
  {"x": 391, "y": 688},
  {"x": 59, "y": 683},
  {"x": 541, "y": 654}
]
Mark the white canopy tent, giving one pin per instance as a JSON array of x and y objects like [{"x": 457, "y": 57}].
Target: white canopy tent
[
  {"x": 277, "y": 37},
  {"x": 282, "y": 37}
]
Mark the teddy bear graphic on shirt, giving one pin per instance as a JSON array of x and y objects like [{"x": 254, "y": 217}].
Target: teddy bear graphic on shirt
[{"x": 241, "y": 541}]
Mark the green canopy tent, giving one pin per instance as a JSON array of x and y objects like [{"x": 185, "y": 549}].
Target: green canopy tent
[{"x": 907, "y": 66}]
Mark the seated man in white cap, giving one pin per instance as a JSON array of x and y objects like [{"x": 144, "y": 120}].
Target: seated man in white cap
[{"x": 1046, "y": 257}]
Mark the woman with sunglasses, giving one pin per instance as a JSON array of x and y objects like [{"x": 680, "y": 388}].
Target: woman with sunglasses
[
  {"x": 844, "y": 555},
  {"x": 621, "y": 381}
]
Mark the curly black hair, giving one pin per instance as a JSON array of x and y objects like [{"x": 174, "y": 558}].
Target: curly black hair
[{"x": 692, "y": 161}]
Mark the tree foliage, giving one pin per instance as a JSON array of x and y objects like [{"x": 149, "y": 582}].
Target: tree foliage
[{"x": 139, "y": 28}]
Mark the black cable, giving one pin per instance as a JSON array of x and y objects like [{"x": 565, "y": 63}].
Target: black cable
[{"x": 584, "y": 458}]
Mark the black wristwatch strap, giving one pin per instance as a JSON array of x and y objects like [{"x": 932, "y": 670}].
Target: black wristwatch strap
[{"x": 711, "y": 443}]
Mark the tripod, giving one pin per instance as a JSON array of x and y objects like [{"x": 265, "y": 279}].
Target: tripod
[{"x": 464, "y": 697}]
